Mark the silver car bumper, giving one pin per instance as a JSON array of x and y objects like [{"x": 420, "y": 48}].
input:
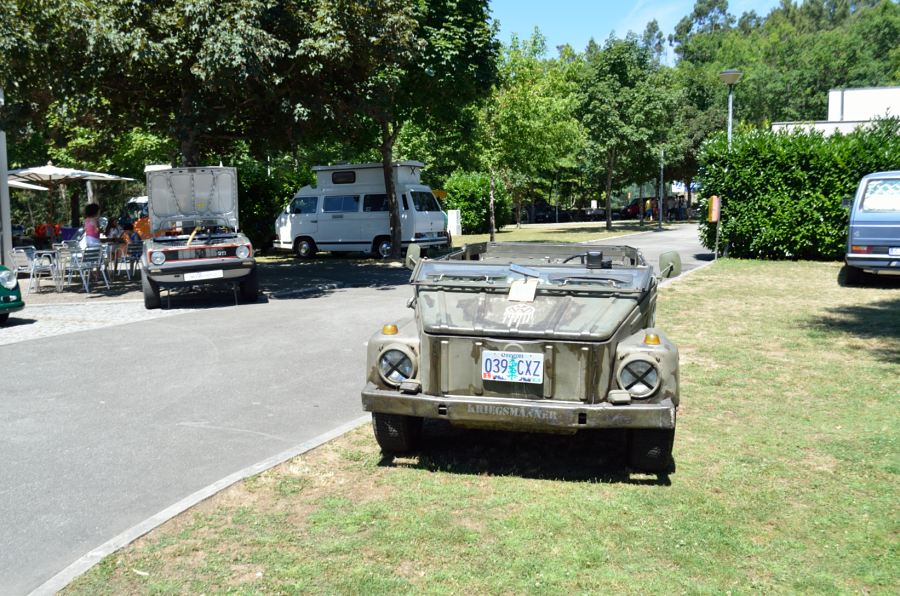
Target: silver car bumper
[{"x": 520, "y": 412}]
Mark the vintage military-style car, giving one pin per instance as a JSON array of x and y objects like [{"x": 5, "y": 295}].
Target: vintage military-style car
[
  {"x": 529, "y": 337},
  {"x": 195, "y": 240}
]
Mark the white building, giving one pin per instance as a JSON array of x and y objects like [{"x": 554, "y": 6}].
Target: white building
[{"x": 851, "y": 108}]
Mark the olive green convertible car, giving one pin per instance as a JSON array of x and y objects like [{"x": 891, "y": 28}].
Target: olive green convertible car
[
  {"x": 556, "y": 338},
  {"x": 10, "y": 296}
]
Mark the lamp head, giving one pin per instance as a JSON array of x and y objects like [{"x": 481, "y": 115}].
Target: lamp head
[{"x": 730, "y": 76}]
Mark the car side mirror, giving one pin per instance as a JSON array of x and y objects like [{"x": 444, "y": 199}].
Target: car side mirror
[
  {"x": 413, "y": 254},
  {"x": 847, "y": 202},
  {"x": 670, "y": 264}
]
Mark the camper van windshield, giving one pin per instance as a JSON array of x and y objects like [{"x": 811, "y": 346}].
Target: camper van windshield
[
  {"x": 132, "y": 212},
  {"x": 882, "y": 195},
  {"x": 424, "y": 201}
]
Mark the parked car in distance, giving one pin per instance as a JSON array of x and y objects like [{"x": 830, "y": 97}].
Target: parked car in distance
[
  {"x": 10, "y": 294},
  {"x": 873, "y": 236},
  {"x": 347, "y": 211},
  {"x": 195, "y": 238},
  {"x": 529, "y": 337}
]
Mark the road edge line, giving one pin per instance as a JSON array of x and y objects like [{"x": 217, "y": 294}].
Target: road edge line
[{"x": 84, "y": 563}]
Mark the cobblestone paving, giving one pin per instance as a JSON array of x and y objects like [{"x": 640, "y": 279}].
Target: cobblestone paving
[{"x": 47, "y": 320}]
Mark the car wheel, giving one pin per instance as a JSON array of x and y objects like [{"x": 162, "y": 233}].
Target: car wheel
[
  {"x": 151, "y": 292},
  {"x": 396, "y": 433},
  {"x": 853, "y": 276},
  {"x": 249, "y": 288},
  {"x": 382, "y": 247},
  {"x": 4, "y": 318},
  {"x": 650, "y": 449},
  {"x": 305, "y": 248}
]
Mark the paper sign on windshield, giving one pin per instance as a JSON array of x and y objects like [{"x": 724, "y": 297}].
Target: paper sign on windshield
[{"x": 522, "y": 290}]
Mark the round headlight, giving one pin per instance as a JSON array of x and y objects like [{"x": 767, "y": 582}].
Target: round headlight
[
  {"x": 157, "y": 258},
  {"x": 638, "y": 377},
  {"x": 8, "y": 279},
  {"x": 395, "y": 367},
  {"x": 242, "y": 252}
]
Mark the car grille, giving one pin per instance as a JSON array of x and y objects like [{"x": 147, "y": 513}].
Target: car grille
[{"x": 201, "y": 252}]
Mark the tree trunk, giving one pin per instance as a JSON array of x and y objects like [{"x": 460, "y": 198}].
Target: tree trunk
[
  {"x": 187, "y": 137},
  {"x": 609, "y": 178},
  {"x": 641, "y": 202},
  {"x": 73, "y": 207},
  {"x": 687, "y": 215},
  {"x": 492, "y": 204},
  {"x": 388, "y": 137},
  {"x": 533, "y": 212}
]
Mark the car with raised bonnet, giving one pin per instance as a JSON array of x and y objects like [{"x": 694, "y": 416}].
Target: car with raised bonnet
[
  {"x": 555, "y": 338},
  {"x": 195, "y": 239},
  {"x": 10, "y": 294},
  {"x": 873, "y": 236}
]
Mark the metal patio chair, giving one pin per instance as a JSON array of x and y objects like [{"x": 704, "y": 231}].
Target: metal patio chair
[
  {"x": 88, "y": 260},
  {"x": 131, "y": 257},
  {"x": 25, "y": 260}
]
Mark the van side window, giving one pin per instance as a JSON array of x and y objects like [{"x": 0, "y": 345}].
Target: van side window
[
  {"x": 405, "y": 204},
  {"x": 343, "y": 177},
  {"x": 375, "y": 203},
  {"x": 304, "y": 205},
  {"x": 424, "y": 201},
  {"x": 341, "y": 204}
]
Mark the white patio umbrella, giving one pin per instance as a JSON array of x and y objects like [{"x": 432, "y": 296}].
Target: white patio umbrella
[
  {"x": 24, "y": 186},
  {"x": 50, "y": 176}
]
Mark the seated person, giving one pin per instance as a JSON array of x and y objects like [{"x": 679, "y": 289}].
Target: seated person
[{"x": 129, "y": 235}]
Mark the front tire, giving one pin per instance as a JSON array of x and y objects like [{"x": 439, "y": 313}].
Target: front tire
[
  {"x": 396, "y": 433},
  {"x": 4, "y": 318},
  {"x": 382, "y": 247},
  {"x": 305, "y": 248},
  {"x": 151, "y": 292},
  {"x": 650, "y": 449},
  {"x": 249, "y": 288}
]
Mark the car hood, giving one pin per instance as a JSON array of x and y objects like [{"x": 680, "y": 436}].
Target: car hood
[
  {"x": 180, "y": 193},
  {"x": 587, "y": 317}
]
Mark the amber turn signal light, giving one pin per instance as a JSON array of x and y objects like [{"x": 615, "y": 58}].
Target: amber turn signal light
[
  {"x": 392, "y": 330},
  {"x": 651, "y": 338}
]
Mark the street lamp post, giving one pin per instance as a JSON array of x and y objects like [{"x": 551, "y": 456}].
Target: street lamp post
[{"x": 730, "y": 77}]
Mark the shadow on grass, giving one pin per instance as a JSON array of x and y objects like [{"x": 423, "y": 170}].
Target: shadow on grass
[
  {"x": 597, "y": 456},
  {"x": 878, "y": 321}
]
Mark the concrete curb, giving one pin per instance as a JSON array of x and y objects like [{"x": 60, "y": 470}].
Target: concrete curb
[
  {"x": 65, "y": 577},
  {"x": 319, "y": 288}
]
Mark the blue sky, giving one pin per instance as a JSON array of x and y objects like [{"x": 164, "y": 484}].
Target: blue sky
[{"x": 576, "y": 21}]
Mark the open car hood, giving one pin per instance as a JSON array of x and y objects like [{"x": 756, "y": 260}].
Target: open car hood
[
  {"x": 192, "y": 193},
  {"x": 588, "y": 317}
]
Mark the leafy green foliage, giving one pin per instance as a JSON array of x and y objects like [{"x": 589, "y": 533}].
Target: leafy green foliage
[
  {"x": 781, "y": 192},
  {"x": 470, "y": 193}
]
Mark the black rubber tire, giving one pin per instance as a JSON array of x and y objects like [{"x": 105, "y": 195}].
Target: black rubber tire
[
  {"x": 151, "y": 292},
  {"x": 305, "y": 248},
  {"x": 396, "y": 433},
  {"x": 650, "y": 449},
  {"x": 853, "y": 276},
  {"x": 4, "y": 317},
  {"x": 381, "y": 247},
  {"x": 249, "y": 288}
]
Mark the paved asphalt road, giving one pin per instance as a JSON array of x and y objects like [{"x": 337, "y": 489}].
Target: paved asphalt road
[{"x": 101, "y": 429}]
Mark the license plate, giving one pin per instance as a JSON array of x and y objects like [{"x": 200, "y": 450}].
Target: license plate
[
  {"x": 196, "y": 275},
  {"x": 895, "y": 251},
  {"x": 512, "y": 367}
]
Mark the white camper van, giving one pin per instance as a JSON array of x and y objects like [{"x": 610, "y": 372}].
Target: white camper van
[{"x": 347, "y": 211}]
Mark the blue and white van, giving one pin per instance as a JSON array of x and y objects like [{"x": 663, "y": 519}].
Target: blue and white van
[
  {"x": 347, "y": 211},
  {"x": 873, "y": 240}
]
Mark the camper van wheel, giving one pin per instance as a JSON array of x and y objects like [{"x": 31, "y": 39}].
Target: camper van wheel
[
  {"x": 382, "y": 247},
  {"x": 853, "y": 276},
  {"x": 305, "y": 248}
]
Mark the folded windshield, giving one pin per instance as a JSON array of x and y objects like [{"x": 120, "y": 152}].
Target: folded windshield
[{"x": 551, "y": 277}]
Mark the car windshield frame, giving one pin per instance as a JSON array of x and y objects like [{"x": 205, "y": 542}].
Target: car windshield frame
[{"x": 556, "y": 277}]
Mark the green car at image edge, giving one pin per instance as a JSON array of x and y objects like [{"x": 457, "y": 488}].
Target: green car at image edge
[{"x": 10, "y": 296}]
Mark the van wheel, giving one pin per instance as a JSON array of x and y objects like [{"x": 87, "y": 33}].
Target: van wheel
[
  {"x": 853, "y": 276},
  {"x": 382, "y": 247},
  {"x": 650, "y": 449},
  {"x": 151, "y": 292},
  {"x": 305, "y": 248}
]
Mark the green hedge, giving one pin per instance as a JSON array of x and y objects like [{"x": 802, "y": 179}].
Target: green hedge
[
  {"x": 470, "y": 193},
  {"x": 781, "y": 192}
]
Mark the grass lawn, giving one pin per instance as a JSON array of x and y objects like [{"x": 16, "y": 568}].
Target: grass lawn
[
  {"x": 786, "y": 478},
  {"x": 579, "y": 232}
]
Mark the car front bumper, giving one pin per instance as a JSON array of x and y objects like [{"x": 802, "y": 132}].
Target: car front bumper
[
  {"x": 519, "y": 413},
  {"x": 173, "y": 276}
]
